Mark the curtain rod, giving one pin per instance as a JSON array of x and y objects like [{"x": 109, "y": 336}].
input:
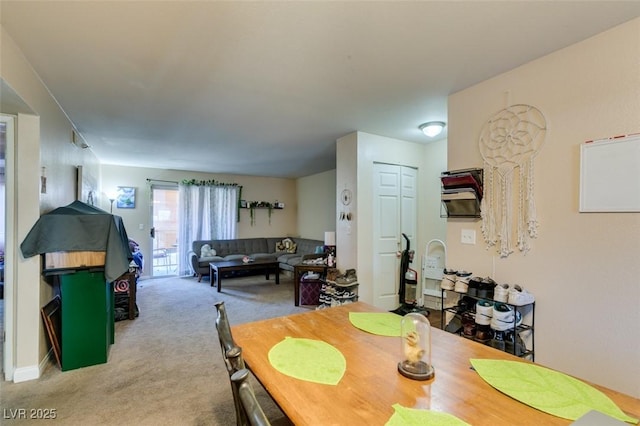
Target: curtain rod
[{"x": 160, "y": 180}]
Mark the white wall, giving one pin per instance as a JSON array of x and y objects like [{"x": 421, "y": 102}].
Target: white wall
[
  {"x": 583, "y": 268},
  {"x": 316, "y": 196},
  {"x": 44, "y": 140}
]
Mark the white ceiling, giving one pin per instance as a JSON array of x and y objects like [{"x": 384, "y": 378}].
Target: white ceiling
[{"x": 265, "y": 88}]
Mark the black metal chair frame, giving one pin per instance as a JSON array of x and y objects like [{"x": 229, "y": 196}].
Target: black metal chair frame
[
  {"x": 250, "y": 405},
  {"x": 232, "y": 355}
]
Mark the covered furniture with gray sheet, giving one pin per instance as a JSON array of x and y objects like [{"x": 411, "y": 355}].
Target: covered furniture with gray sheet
[{"x": 81, "y": 227}]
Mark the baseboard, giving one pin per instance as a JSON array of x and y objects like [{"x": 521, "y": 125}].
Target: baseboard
[
  {"x": 33, "y": 372},
  {"x": 24, "y": 374}
]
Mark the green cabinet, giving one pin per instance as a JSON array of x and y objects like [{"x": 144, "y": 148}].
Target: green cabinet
[{"x": 87, "y": 318}]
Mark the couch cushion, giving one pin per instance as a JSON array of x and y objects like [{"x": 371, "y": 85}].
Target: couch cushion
[
  {"x": 306, "y": 246},
  {"x": 265, "y": 256},
  {"x": 207, "y": 260},
  {"x": 234, "y": 257},
  {"x": 284, "y": 258},
  {"x": 293, "y": 261}
]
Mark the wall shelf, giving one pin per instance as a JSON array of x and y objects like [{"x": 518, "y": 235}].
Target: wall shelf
[{"x": 461, "y": 193}]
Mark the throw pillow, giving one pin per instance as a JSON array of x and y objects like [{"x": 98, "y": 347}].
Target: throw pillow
[
  {"x": 287, "y": 245},
  {"x": 207, "y": 251}
]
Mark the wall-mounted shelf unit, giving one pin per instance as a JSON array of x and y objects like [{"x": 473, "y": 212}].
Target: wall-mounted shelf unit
[
  {"x": 277, "y": 205},
  {"x": 263, "y": 207},
  {"x": 461, "y": 193}
]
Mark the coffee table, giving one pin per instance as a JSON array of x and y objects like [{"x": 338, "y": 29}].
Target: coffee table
[{"x": 216, "y": 269}]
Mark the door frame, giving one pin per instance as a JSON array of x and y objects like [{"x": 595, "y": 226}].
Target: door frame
[{"x": 8, "y": 347}]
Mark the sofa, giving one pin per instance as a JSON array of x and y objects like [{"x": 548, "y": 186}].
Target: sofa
[{"x": 287, "y": 251}]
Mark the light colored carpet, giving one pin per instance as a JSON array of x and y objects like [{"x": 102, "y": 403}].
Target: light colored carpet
[{"x": 166, "y": 366}]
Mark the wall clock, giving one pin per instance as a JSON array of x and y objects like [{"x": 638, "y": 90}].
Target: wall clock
[{"x": 345, "y": 197}]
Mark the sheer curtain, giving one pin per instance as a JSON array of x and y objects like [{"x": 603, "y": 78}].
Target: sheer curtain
[{"x": 206, "y": 212}]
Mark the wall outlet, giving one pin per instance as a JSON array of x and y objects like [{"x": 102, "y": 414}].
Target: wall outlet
[{"x": 468, "y": 236}]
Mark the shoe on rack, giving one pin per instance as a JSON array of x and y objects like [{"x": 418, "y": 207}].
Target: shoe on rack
[
  {"x": 468, "y": 325},
  {"x": 347, "y": 295},
  {"x": 462, "y": 281},
  {"x": 448, "y": 280},
  {"x": 465, "y": 304},
  {"x": 486, "y": 288},
  {"x": 504, "y": 317},
  {"x": 484, "y": 312},
  {"x": 332, "y": 274},
  {"x": 483, "y": 334},
  {"x": 498, "y": 340},
  {"x": 349, "y": 278},
  {"x": 474, "y": 285},
  {"x": 514, "y": 344},
  {"x": 520, "y": 297},
  {"x": 501, "y": 293}
]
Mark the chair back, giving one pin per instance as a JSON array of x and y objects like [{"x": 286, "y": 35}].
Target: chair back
[
  {"x": 226, "y": 340},
  {"x": 250, "y": 405},
  {"x": 232, "y": 355}
]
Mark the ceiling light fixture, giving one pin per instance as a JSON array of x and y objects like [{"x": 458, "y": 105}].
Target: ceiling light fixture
[{"x": 432, "y": 128}]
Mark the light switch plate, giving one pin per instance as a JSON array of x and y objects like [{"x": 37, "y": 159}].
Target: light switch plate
[{"x": 468, "y": 236}]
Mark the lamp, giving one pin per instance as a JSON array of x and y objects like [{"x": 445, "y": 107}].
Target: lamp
[
  {"x": 432, "y": 128},
  {"x": 112, "y": 195},
  {"x": 330, "y": 242},
  {"x": 329, "y": 238}
]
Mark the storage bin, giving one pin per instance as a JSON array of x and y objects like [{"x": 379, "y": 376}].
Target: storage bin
[{"x": 310, "y": 291}]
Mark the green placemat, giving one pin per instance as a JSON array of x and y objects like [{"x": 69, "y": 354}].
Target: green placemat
[
  {"x": 380, "y": 323},
  {"x": 547, "y": 390},
  {"x": 404, "y": 416},
  {"x": 308, "y": 359}
]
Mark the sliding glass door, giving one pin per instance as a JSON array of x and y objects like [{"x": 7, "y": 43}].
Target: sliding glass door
[{"x": 164, "y": 230}]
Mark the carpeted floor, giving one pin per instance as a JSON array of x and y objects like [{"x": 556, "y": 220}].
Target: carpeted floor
[{"x": 165, "y": 366}]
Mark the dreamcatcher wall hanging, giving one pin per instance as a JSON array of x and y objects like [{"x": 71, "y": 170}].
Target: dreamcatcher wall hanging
[{"x": 509, "y": 142}]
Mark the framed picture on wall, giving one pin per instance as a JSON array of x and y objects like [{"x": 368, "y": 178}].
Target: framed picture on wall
[{"x": 126, "y": 198}]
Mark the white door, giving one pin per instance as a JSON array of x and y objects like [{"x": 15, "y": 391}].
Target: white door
[{"x": 394, "y": 213}]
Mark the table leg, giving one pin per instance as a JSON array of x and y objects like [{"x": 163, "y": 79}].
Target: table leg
[
  {"x": 296, "y": 287},
  {"x": 218, "y": 279},
  {"x": 277, "y": 274}
]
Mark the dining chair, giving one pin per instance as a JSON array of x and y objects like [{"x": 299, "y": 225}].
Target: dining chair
[
  {"x": 227, "y": 344},
  {"x": 232, "y": 355},
  {"x": 250, "y": 406}
]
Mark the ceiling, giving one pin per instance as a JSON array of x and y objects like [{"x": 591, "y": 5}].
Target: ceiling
[{"x": 265, "y": 88}]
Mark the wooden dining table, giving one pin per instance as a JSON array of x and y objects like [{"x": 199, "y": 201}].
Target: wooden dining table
[{"x": 371, "y": 384}]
